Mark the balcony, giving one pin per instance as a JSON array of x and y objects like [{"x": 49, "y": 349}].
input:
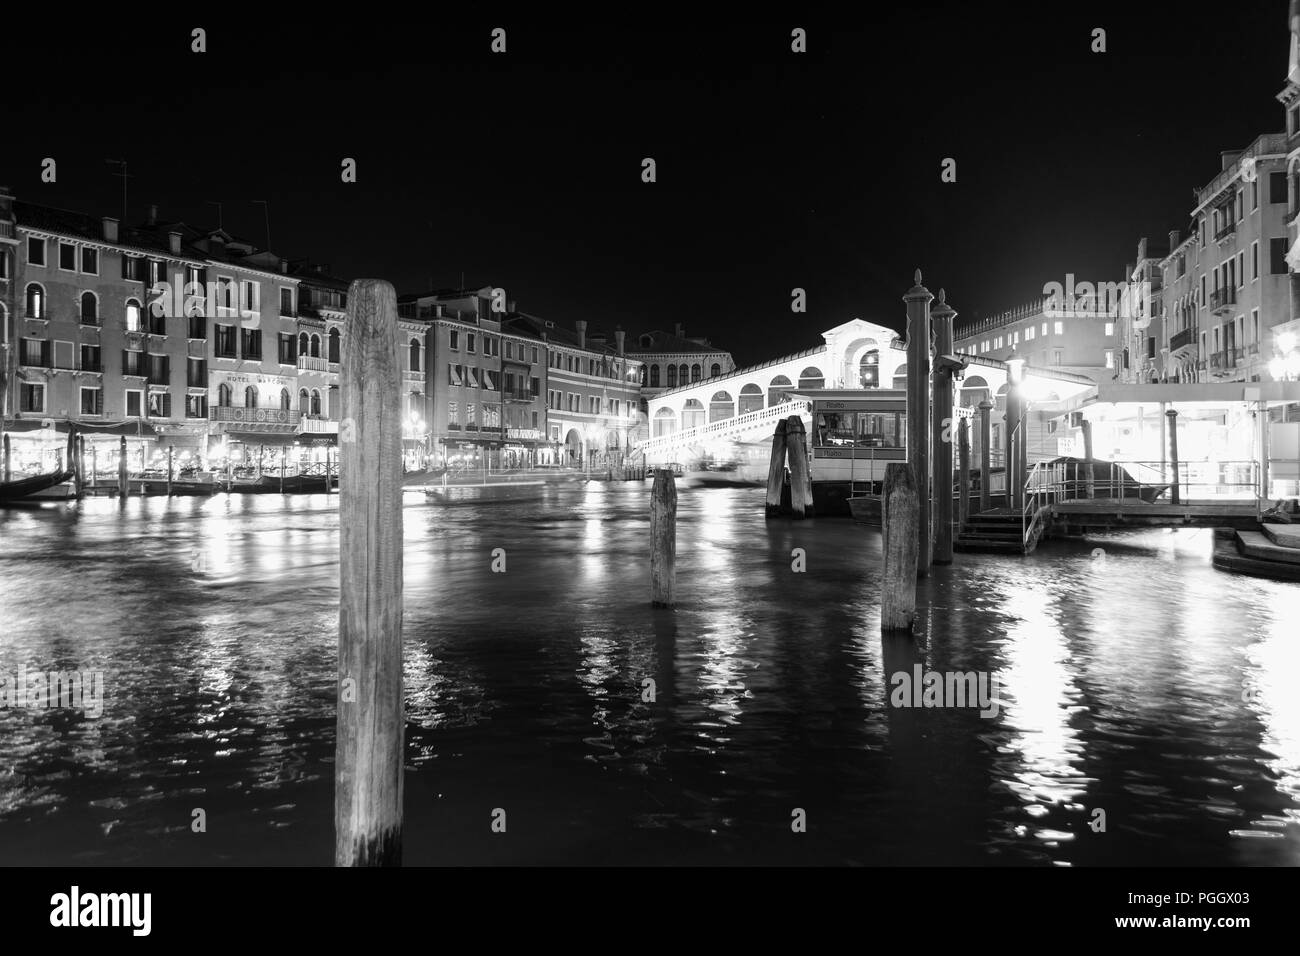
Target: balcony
[
  {"x": 270, "y": 420},
  {"x": 1181, "y": 340},
  {"x": 319, "y": 424},
  {"x": 6, "y": 230},
  {"x": 1226, "y": 230},
  {"x": 1222, "y": 300},
  {"x": 519, "y": 396},
  {"x": 312, "y": 363}
]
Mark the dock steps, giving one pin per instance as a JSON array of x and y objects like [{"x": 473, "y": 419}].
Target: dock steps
[
  {"x": 991, "y": 531},
  {"x": 1253, "y": 553}
]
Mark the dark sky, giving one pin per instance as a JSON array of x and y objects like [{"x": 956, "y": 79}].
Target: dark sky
[{"x": 775, "y": 170}]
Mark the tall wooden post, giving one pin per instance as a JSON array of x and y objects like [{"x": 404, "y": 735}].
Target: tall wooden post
[
  {"x": 800, "y": 482},
  {"x": 1089, "y": 480},
  {"x": 71, "y": 457},
  {"x": 123, "y": 485},
  {"x": 284, "y": 463},
  {"x": 171, "y": 468},
  {"x": 329, "y": 476},
  {"x": 663, "y": 539},
  {"x": 944, "y": 430},
  {"x": 94, "y": 468},
  {"x": 1013, "y": 426},
  {"x": 902, "y": 541},
  {"x": 1172, "y": 415},
  {"x": 81, "y": 467},
  {"x": 368, "y": 764},
  {"x": 775, "y": 471},
  {"x": 918, "y": 301},
  {"x": 8, "y": 472},
  {"x": 963, "y": 463},
  {"x": 986, "y": 454}
]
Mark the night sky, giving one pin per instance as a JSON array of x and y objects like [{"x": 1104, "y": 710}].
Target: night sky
[{"x": 775, "y": 170}]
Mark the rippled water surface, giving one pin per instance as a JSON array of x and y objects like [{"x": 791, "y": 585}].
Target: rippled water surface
[{"x": 1143, "y": 684}]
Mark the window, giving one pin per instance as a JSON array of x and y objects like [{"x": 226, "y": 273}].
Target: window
[
  {"x": 471, "y": 376},
  {"x": 488, "y": 379},
  {"x": 35, "y": 251},
  {"x": 1254, "y": 325},
  {"x": 90, "y": 359},
  {"x": 133, "y": 268},
  {"x": 157, "y": 321},
  {"x": 249, "y": 297},
  {"x": 286, "y": 301},
  {"x": 250, "y": 397},
  {"x": 1110, "y": 328},
  {"x": 1058, "y": 328},
  {"x": 315, "y": 346},
  {"x": 36, "y": 352},
  {"x": 134, "y": 403},
  {"x": 334, "y": 346},
  {"x": 225, "y": 341},
  {"x": 1241, "y": 206},
  {"x": 534, "y": 387},
  {"x": 92, "y": 401},
  {"x": 672, "y": 376},
  {"x": 453, "y": 374},
  {"x": 67, "y": 257},
  {"x": 1241, "y": 269},
  {"x": 1277, "y": 256},
  {"x": 252, "y": 343},
  {"x": 225, "y": 294},
  {"x": 196, "y": 373},
  {"x": 157, "y": 272},
  {"x": 1110, "y": 359},
  {"x": 1277, "y": 187},
  {"x": 89, "y": 261},
  {"x": 196, "y": 406},
  {"x": 1058, "y": 356},
  {"x": 415, "y": 355},
  {"x": 133, "y": 362},
  {"x": 89, "y": 309},
  {"x": 287, "y": 351},
  {"x": 35, "y": 301},
  {"x": 654, "y": 376},
  {"x": 534, "y": 355},
  {"x": 1254, "y": 195},
  {"x": 286, "y": 400},
  {"x": 224, "y": 396},
  {"x": 1254, "y": 259},
  {"x": 715, "y": 370},
  {"x": 1044, "y": 328},
  {"x": 160, "y": 404},
  {"x": 160, "y": 372},
  {"x": 31, "y": 397},
  {"x": 695, "y": 374},
  {"x": 453, "y": 414},
  {"x": 469, "y": 342},
  {"x": 453, "y": 339},
  {"x": 133, "y": 315}
]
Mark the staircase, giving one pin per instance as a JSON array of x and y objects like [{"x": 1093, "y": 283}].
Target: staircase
[{"x": 999, "y": 529}]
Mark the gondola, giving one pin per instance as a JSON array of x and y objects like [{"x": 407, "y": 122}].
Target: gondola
[
  {"x": 21, "y": 491},
  {"x": 274, "y": 485}
]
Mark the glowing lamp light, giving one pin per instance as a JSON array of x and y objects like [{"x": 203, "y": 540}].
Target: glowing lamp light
[
  {"x": 1286, "y": 342},
  {"x": 1015, "y": 370}
]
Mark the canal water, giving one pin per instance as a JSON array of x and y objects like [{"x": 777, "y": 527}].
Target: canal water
[{"x": 1147, "y": 711}]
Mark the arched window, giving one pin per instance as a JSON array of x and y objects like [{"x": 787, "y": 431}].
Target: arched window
[
  {"x": 250, "y": 397},
  {"x": 776, "y": 390},
  {"x": 715, "y": 370},
  {"x": 695, "y": 374},
  {"x": 223, "y": 395},
  {"x": 334, "y": 345},
  {"x": 315, "y": 346},
  {"x": 415, "y": 355},
  {"x": 315, "y": 401},
  {"x": 751, "y": 399},
  {"x": 811, "y": 378},
  {"x": 132, "y": 315},
  {"x": 692, "y": 413},
  {"x": 721, "y": 406},
  {"x": 89, "y": 309},
  {"x": 869, "y": 370},
  {"x": 672, "y": 376},
  {"x": 665, "y": 422},
  {"x": 303, "y": 344},
  {"x": 304, "y": 401},
  {"x": 654, "y": 376},
  {"x": 286, "y": 400},
  {"x": 35, "y": 301},
  {"x": 681, "y": 375}
]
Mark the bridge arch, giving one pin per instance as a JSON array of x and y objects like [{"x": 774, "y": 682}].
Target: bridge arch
[
  {"x": 811, "y": 377},
  {"x": 692, "y": 413},
  {"x": 751, "y": 399},
  {"x": 974, "y": 389},
  {"x": 665, "y": 422},
  {"x": 777, "y": 388},
  {"x": 721, "y": 406}
]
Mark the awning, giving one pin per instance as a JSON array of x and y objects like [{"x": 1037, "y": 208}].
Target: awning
[
  {"x": 270, "y": 439},
  {"x": 132, "y": 429}
]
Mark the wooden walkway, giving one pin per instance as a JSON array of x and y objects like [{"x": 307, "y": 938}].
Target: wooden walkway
[{"x": 1121, "y": 512}]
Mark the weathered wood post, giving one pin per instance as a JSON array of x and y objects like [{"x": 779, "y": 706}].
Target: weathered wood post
[
  {"x": 94, "y": 468},
  {"x": 1175, "y": 496},
  {"x": 963, "y": 462},
  {"x": 284, "y": 464},
  {"x": 1089, "y": 482},
  {"x": 78, "y": 463},
  {"x": 71, "y": 457},
  {"x": 986, "y": 454},
  {"x": 943, "y": 433},
  {"x": 329, "y": 474},
  {"x": 1013, "y": 437},
  {"x": 8, "y": 472},
  {"x": 123, "y": 485},
  {"x": 918, "y": 301},
  {"x": 902, "y": 544},
  {"x": 368, "y": 763},
  {"x": 171, "y": 468},
  {"x": 663, "y": 539},
  {"x": 800, "y": 483},
  {"x": 775, "y": 471}
]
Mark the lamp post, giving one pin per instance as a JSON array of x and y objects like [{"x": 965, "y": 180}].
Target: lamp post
[{"x": 1015, "y": 433}]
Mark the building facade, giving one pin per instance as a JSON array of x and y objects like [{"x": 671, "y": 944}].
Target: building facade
[{"x": 671, "y": 359}]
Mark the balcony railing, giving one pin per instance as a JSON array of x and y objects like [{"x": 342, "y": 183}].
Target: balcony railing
[
  {"x": 1225, "y": 230},
  {"x": 312, "y": 363},
  {"x": 256, "y": 419},
  {"x": 1222, "y": 299},
  {"x": 319, "y": 424},
  {"x": 6, "y": 230},
  {"x": 1183, "y": 339}
]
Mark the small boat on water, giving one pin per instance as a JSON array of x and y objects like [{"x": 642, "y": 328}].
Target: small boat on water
[
  {"x": 867, "y": 509},
  {"x": 727, "y": 474},
  {"x": 275, "y": 485},
  {"x": 32, "y": 488},
  {"x": 492, "y": 491}
]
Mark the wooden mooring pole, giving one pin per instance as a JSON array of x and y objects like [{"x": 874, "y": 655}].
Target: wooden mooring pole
[
  {"x": 171, "y": 468},
  {"x": 901, "y": 544},
  {"x": 1175, "y": 494},
  {"x": 918, "y": 301},
  {"x": 943, "y": 433},
  {"x": 123, "y": 483},
  {"x": 8, "y": 473},
  {"x": 1089, "y": 482},
  {"x": 963, "y": 463},
  {"x": 775, "y": 471},
  {"x": 368, "y": 766},
  {"x": 801, "y": 500},
  {"x": 663, "y": 539},
  {"x": 986, "y": 453}
]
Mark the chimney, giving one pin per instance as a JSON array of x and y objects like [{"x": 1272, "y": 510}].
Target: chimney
[
  {"x": 1173, "y": 239},
  {"x": 110, "y": 229},
  {"x": 618, "y": 340},
  {"x": 510, "y": 306},
  {"x": 677, "y": 330},
  {"x": 153, "y": 215},
  {"x": 581, "y": 326},
  {"x": 174, "y": 242},
  {"x": 6, "y": 201},
  {"x": 1142, "y": 248},
  {"x": 1228, "y": 156}
]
